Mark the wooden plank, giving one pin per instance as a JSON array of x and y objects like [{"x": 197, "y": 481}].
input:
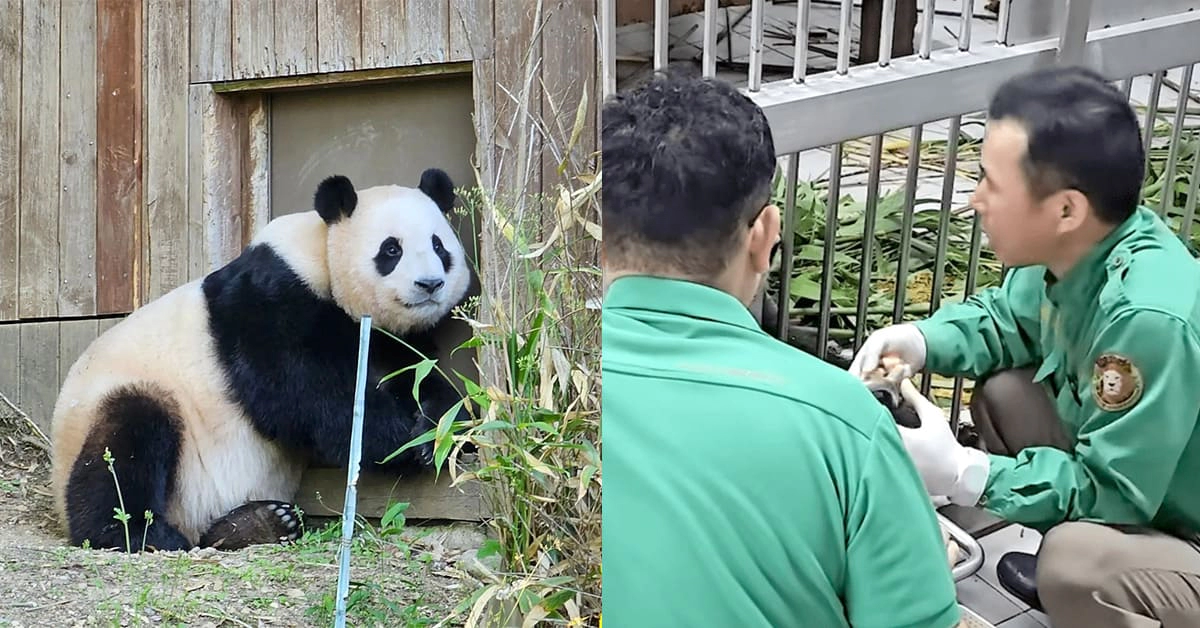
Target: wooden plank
[
  {"x": 479, "y": 18},
  {"x": 39, "y": 371},
  {"x": 253, "y": 38},
  {"x": 38, "y": 262},
  {"x": 348, "y": 78},
  {"x": 256, "y": 166},
  {"x": 197, "y": 242},
  {"x": 166, "y": 147},
  {"x": 518, "y": 102},
  {"x": 426, "y": 32},
  {"x": 568, "y": 70},
  {"x": 77, "y": 139},
  {"x": 339, "y": 35},
  {"x": 295, "y": 37},
  {"x": 211, "y": 40},
  {"x": 106, "y": 324},
  {"x": 119, "y": 136},
  {"x": 383, "y": 37},
  {"x": 10, "y": 366},
  {"x": 322, "y": 493},
  {"x": 221, "y": 156},
  {"x": 73, "y": 339},
  {"x": 10, "y": 170}
]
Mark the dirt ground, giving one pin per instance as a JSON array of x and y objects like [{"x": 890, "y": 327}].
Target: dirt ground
[{"x": 415, "y": 577}]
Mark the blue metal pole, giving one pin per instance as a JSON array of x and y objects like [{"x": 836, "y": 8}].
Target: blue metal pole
[{"x": 360, "y": 387}]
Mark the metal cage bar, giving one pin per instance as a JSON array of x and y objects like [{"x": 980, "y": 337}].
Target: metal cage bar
[
  {"x": 756, "y": 44},
  {"x": 867, "y": 256},
  {"x": 786, "y": 253},
  {"x": 608, "y": 46},
  {"x": 887, "y": 32},
  {"x": 906, "y": 222},
  {"x": 1189, "y": 210},
  {"x": 1166, "y": 200},
  {"x": 845, "y": 19},
  {"x": 800, "y": 64},
  {"x": 928, "y": 11},
  {"x": 1152, "y": 114},
  {"x": 709, "y": 55},
  {"x": 662, "y": 33},
  {"x": 1074, "y": 33},
  {"x": 831, "y": 222}
]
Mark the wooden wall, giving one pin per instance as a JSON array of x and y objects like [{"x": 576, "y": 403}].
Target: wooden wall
[{"x": 134, "y": 143}]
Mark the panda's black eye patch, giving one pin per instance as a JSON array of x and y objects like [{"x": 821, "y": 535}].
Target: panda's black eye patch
[
  {"x": 390, "y": 248},
  {"x": 388, "y": 256},
  {"x": 442, "y": 253}
]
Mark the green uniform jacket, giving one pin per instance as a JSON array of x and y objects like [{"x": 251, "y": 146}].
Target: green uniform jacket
[
  {"x": 749, "y": 484},
  {"x": 1116, "y": 346}
]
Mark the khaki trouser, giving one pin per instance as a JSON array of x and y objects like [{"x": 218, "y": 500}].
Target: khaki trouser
[{"x": 1088, "y": 574}]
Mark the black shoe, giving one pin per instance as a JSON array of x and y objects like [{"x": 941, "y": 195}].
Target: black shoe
[{"x": 1017, "y": 573}]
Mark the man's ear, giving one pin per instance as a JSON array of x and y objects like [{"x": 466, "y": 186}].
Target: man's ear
[
  {"x": 1073, "y": 209},
  {"x": 764, "y": 233}
]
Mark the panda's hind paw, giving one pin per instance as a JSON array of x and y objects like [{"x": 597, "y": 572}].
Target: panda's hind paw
[{"x": 254, "y": 523}]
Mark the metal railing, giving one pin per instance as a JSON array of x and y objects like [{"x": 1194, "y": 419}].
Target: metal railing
[{"x": 833, "y": 109}]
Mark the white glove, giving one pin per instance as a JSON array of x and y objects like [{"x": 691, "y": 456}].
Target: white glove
[
  {"x": 946, "y": 467},
  {"x": 904, "y": 341}
]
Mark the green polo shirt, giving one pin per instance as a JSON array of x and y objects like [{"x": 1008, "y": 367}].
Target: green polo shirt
[
  {"x": 747, "y": 483},
  {"x": 1116, "y": 346}
]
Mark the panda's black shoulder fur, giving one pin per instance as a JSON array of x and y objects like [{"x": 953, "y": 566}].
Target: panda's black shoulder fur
[{"x": 290, "y": 358}]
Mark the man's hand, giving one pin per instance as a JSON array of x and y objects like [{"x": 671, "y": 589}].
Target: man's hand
[
  {"x": 903, "y": 342},
  {"x": 946, "y": 467}
]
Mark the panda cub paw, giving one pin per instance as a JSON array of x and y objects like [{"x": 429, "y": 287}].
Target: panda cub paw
[{"x": 254, "y": 523}]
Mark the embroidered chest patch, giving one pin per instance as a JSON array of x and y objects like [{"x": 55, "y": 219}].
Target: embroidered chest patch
[{"x": 1116, "y": 383}]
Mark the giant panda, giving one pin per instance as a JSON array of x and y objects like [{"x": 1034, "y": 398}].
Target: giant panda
[{"x": 213, "y": 398}]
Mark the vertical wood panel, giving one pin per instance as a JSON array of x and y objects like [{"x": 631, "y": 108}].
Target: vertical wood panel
[
  {"x": 383, "y": 37},
  {"x": 211, "y": 40},
  {"x": 339, "y": 34},
  {"x": 253, "y": 38},
  {"x": 73, "y": 338},
  {"x": 38, "y": 234},
  {"x": 256, "y": 166},
  {"x": 77, "y": 137},
  {"x": 568, "y": 67},
  {"x": 461, "y": 13},
  {"x": 221, "y": 165},
  {"x": 295, "y": 37},
  {"x": 166, "y": 146},
  {"x": 10, "y": 365},
  {"x": 10, "y": 171},
  {"x": 426, "y": 32},
  {"x": 517, "y": 100},
  {"x": 106, "y": 324},
  {"x": 119, "y": 138},
  {"x": 196, "y": 236},
  {"x": 39, "y": 371}
]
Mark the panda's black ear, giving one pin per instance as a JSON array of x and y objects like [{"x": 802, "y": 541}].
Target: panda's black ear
[
  {"x": 335, "y": 198},
  {"x": 436, "y": 184}
]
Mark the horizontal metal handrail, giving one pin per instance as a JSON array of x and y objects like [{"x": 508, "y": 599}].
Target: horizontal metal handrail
[{"x": 829, "y": 107}]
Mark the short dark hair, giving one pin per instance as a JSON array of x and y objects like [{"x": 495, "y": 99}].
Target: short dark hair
[
  {"x": 1082, "y": 134},
  {"x": 688, "y": 163}
]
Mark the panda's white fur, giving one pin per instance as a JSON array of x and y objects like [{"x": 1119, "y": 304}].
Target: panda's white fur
[{"x": 277, "y": 313}]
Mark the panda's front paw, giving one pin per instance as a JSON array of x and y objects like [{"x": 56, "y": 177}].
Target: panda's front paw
[{"x": 423, "y": 454}]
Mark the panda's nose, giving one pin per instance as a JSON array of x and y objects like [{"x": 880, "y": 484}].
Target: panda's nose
[{"x": 430, "y": 285}]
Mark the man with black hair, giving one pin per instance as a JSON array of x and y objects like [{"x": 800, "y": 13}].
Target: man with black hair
[
  {"x": 1086, "y": 359},
  {"x": 746, "y": 483}
]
